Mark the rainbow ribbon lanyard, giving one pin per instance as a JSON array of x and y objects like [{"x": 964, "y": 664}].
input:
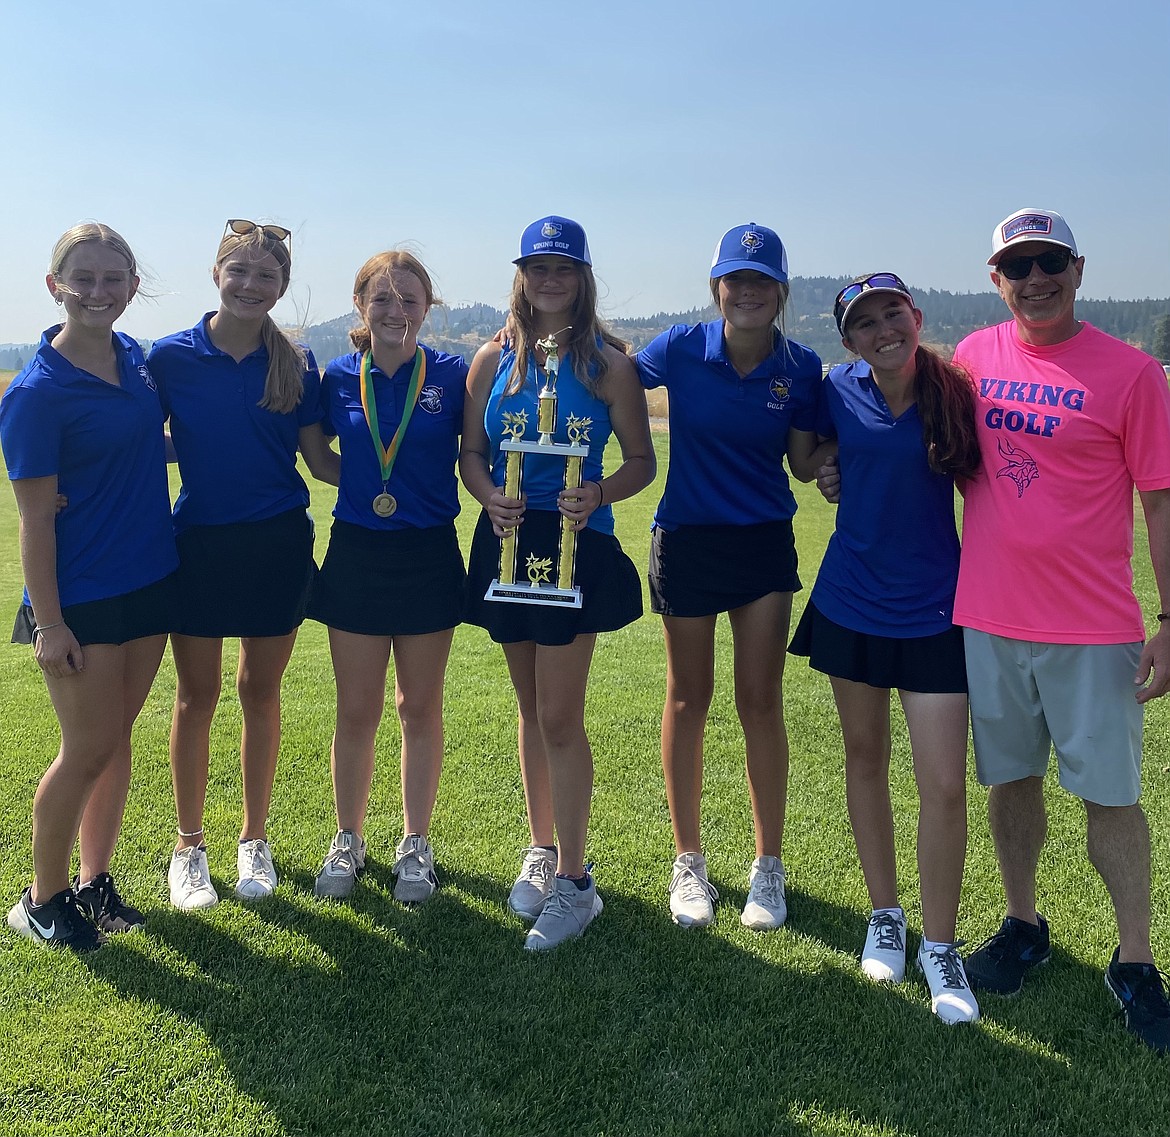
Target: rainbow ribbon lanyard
[{"x": 387, "y": 455}]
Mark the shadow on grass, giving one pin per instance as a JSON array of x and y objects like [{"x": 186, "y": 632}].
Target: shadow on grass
[{"x": 370, "y": 1017}]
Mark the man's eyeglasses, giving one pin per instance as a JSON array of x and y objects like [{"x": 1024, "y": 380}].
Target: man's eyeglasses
[
  {"x": 1052, "y": 262},
  {"x": 241, "y": 228}
]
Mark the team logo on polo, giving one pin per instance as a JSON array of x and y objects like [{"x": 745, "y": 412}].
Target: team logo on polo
[
  {"x": 780, "y": 389},
  {"x": 752, "y": 241},
  {"x": 1020, "y": 466},
  {"x": 431, "y": 399},
  {"x": 550, "y": 229},
  {"x": 146, "y": 377}
]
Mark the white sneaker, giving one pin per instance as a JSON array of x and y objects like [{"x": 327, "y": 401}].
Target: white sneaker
[
  {"x": 257, "y": 872},
  {"x": 951, "y": 997},
  {"x": 568, "y": 911},
  {"x": 415, "y": 870},
  {"x": 344, "y": 862},
  {"x": 535, "y": 882},
  {"x": 190, "y": 879},
  {"x": 692, "y": 895},
  {"x": 883, "y": 958},
  {"x": 766, "y": 907}
]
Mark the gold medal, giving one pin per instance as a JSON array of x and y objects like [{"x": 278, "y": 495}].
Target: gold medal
[{"x": 385, "y": 505}]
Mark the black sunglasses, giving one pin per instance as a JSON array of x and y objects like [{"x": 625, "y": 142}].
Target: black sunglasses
[
  {"x": 1052, "y": 262},
  {"x": 242, "y": 228}
]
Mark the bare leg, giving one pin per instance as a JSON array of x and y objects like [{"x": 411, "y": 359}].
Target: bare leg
[
  {"x": 561, "y": 675},
  {"x": 521, "y": 659},
  {"x": 690, "y": 683},
  {"x": 1119, "y": 847},
  {"x": 938, "y": 739},
  {"x": 101, "y": 821},
  {"x": 864, "y": 712},
  {"x": 263, "y": 660},
  {"x": 760, "y": 633},
  {"x": 197, "y": 669},
  {"x": 420, "y": 663},
  {"x": 359, "y": 666},
  {"x": 1019, "y": 826}
]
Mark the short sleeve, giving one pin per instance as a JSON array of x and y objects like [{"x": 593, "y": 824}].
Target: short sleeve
[{"x": 29, "y": 434}]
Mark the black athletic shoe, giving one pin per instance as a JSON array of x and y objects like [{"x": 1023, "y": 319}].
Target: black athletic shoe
[
  {"x": 1140, "y": 991},
  {"x": 1000, "y": 963},
  {"x": 109, "y": 912},
  {"x": 58, "y": 923}
]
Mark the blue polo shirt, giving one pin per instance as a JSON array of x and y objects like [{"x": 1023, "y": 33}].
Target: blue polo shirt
[
  {"x": 728, "y": 434},
  {"x": 544, "y": 475},
  {"x": 238, "y": 460},
  {"x": 105, "y": 446},
  {"x": 423, "y": 480},
  {"x": 892, "y": 563}
]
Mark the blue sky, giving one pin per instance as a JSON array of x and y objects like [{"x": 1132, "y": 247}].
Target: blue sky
[{"x": 870, "y": 136}]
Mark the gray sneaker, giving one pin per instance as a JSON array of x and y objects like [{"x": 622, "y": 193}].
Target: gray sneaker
[
  {"x": 535, "y": 882},
  {"x": 766, "y": 907},
  {"x": 692, "y": 895},
  {"x": 567, "y": 913},
  {"x": 415, "y": 870},
  {"x": 344, "y": 863}
]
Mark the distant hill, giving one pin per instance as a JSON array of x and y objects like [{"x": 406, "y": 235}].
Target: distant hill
[{"x": 947, "y": 318}]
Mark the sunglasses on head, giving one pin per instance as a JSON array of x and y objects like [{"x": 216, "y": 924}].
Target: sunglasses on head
[
  {"x": 241, "y": 228},
  {"x": 852, "y": 291},
  {"x": 1052, "y": 262}
]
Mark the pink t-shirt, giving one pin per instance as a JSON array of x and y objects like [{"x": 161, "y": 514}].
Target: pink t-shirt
[{"x": 1067, "y": 432}]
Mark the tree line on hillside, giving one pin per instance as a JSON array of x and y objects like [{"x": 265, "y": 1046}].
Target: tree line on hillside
[{"x": 947, "y": 316}]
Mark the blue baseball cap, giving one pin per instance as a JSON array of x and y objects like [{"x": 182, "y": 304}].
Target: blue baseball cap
[
  {"x": 750, "y": 246},
  {"x": 554, "y": 236}
]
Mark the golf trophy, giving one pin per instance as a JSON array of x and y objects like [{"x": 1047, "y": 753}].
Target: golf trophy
[{"x": 540, "y": 570}]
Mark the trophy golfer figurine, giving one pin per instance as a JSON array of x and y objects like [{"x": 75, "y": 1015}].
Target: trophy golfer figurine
[{"x": 539, "y": 569}]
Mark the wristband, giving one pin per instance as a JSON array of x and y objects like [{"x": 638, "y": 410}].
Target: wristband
[
  {"x": 47, "y": 627},
  {"x": 600, "y": 494}
]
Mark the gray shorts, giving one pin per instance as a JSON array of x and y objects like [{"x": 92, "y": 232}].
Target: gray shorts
[{"x": 1029, "y": 698}]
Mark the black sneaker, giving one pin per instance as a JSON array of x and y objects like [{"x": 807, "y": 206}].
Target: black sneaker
[
  {"x": 58, "y": 923},
  {"x": 1141, "y": 993},
  {"x": 109, "y": 912},
  {"x": 1000, "y": 963}
]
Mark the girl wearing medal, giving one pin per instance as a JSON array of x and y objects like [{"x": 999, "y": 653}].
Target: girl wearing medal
[
  {"x": 83, "y": 420},
  {"x": 241, "y": 398},
  {"x": 549, "y": 649},
  {"x": 392, "y": 583},
  {"x": 742, "y": 398}
]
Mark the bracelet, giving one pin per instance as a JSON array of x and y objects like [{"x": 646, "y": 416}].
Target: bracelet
[
  {"x": 600, "y": 494},
  {"x": 39, "y": 628}
]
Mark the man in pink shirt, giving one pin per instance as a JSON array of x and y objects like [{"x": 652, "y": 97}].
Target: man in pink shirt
[{"x": 1070, "y": 422}]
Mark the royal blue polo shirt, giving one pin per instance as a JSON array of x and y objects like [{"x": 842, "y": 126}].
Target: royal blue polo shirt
[
  {"x": 728, "y": 434},
  {"x": 892, "y": 563},
  {"x": 423, "y": 480},
  {"x": 105, "y": 446},
  {"x": 237, "y": 459}
]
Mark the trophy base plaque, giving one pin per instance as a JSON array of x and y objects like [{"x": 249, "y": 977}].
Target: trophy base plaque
[{"x": 546, "y": 594}]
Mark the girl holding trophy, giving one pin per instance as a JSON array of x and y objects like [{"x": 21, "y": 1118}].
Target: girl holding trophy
[
  {"x": 741, "y": 397},
  {"x": 561, "y": 387}
]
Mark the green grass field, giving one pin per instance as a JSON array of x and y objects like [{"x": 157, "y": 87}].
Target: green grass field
[{"x": 295, "y": 1016}]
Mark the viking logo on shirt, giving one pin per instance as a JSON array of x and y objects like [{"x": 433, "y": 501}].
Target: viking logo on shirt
[
  {"x": 146, "y": 377},
  {"x": 1020, "y": 466},
  {"x": 431, "y": 399},
  {"x": 780, "y": 389}
]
